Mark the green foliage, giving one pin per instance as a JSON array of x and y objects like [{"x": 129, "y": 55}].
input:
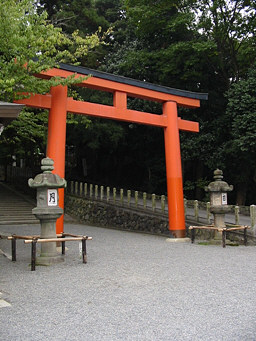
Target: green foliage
[
  {"x": 241, "y": 109},
  {"x": 232, "y": 26},
  {"x": 241, "y": 112},
  {"x": 25, "y": 138},
  {"x": 75, "y": 14},
  {"x": 159, "y": 23},
  {"x": 90, "y": 136},
  {"x": 196, "y": 45},
  {"x": 237, "y": 150},
  {"x": 29, "y": 44},
  {"x": 87, "y": 16}
]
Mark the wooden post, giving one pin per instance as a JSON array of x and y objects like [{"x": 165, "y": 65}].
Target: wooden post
[
  {"x": 13, "y": 249},
  {"x": 63, "y": 246},
  {"x": 245, "y": 236},
  {"x": 224, "y": 237},
  {"x": 33, "y": 255},
  {"x": 84, "y": 250},
  {"x": 192, "y": 235}
]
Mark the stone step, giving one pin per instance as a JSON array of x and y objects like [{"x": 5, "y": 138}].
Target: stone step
[
  {"x": 15, "y": 208},
  {"x": 16, "y": 216},
  {"x": 19, "y": 221}
]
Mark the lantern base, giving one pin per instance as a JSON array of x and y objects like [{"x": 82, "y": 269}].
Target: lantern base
[{"x": 49, "y": 260}]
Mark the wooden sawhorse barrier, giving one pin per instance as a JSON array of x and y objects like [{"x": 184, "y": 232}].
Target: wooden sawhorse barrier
[
  {"x": 223, "y": 231},
  {"x": 61, "y": 238}
]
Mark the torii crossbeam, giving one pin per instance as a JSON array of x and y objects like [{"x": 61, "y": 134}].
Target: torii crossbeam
[{"x": 59, "y": 104}]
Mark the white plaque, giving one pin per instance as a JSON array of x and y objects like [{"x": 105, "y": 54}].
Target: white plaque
[
  {"x": 224, "y": 199},
  {"x": 52, "y": 199}
]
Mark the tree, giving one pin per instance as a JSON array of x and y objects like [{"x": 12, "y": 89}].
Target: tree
[
  {"x": 232, "y": 26},
  {"x": 75, "y": 14},
  {"x": 25, "y": 138},
  {"x": 29, "y": 44},
  {"x": 239, "y": 150},
  {"x": 196, "y": 45},
  {"x": 87, "y": 16}
]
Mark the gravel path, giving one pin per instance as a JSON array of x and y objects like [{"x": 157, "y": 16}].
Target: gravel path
[{"x": 134, "y": 287}]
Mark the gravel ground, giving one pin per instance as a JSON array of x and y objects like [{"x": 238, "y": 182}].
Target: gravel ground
[{"x": 134, "y": 287}]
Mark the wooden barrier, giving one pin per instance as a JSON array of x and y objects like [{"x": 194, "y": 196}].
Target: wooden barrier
[
  {"x": 223, "y": 231},
  {"x": 62, "y": 238}
]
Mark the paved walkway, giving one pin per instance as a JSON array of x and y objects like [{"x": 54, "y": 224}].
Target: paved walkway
[{"x": 134, "y": 287}]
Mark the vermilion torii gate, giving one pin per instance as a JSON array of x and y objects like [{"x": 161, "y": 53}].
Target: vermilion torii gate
[{"x": 59, "y": 104}]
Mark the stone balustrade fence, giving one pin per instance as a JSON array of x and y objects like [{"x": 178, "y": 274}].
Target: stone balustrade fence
[
  {"x": 128, "y": 198},
  {"x": 153, "y": 202}
]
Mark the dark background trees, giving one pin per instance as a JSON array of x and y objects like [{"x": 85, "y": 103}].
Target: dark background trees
[{"x": 204, "y": 46}]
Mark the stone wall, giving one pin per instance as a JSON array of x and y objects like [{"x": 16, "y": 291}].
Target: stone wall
[{"x": 105, "y": 214}]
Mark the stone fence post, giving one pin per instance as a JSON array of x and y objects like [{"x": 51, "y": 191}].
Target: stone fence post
[
  {"x": 253, "y": 218},
  {"x": 196, "y": 210}
]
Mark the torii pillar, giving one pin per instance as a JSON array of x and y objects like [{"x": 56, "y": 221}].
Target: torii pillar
[
  {"x": 56, "y": 141},
  {"x": 174, "y": 171}
]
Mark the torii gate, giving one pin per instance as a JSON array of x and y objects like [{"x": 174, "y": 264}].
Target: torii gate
[{"x": 59, "y": 104}]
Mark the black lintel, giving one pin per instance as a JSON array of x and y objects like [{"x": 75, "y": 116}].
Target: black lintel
[{"x": 129, "y": 81}]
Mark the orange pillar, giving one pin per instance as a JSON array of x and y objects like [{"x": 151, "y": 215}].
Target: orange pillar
[
  {"x": 174, "y": 172},
  {"x": 57, "y": 139}
]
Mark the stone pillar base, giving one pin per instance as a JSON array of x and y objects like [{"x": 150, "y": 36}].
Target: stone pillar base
[
  {"x": 218, "y": 236},
  {"x": 49, "y": 260},
  {"x": 178, "y": 240}
]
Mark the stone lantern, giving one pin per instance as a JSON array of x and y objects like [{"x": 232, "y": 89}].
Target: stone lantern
[
  {"x": 218, "y": 198},
  {"x": 47, "y": 209}
]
